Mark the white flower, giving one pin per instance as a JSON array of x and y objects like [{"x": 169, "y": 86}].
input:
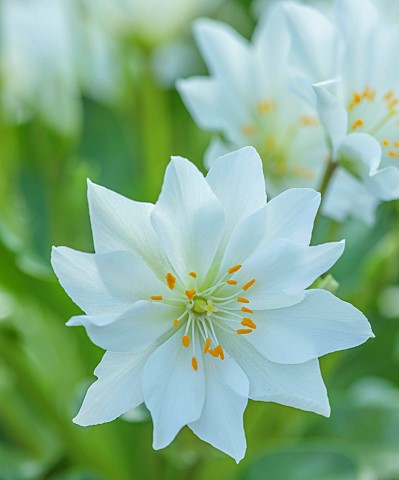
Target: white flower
[
  {"x": 359, "y": 109},
  {"x": 247, "y": 99},
  {"x": 200, "y": 302},
  {"x": 36, "y": 61}
]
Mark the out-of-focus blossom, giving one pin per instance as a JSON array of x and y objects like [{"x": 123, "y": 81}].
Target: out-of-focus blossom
[
  {"x": 201, "y": 302},
  {"x": 37, "y": 74},
  {"x": 150, "y": 21},
  {"x": 361, "y": 114},
  {"x": 247, "y": 99}
]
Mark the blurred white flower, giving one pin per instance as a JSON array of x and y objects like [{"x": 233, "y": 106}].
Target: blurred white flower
[
  {"x": 200, "y": 302},
  {"x": 361, "y": 115},
  {"x": 248, "y": 100},
  {"x": 151, "y": 21},
  {"x": 37, "y": 73}
]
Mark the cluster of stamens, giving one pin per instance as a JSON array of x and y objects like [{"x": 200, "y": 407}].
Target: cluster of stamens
[{"x": 205, "y": 308}]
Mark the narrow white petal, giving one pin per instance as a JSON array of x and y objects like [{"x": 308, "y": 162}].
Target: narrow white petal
[
  {"x": 119, "y": 223},
  {"x": 320, "y": 324},
  {"x": 173, "y": 391},
  {"x": 299, "y": 386},
  {"x": 384, "y": 184},
  {"x": 348, "y": 197},
  {"x": 188, "y": 218},
  {"x": 362, "y": 149},
  {"x": 118, "y": 388},
  {"x": 291, "y": 215},
  {"x": 226, "y": 397},
  {"x": 333, "y": 116},
  {"x": 142, "y": 323},
  {"x": 216, "y": 149},
  {"x": 102, "y": 284},
  {"x": 284, "y": 268},
  {"x": 237, "y": 181}
]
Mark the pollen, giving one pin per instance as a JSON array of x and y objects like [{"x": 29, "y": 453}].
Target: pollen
[
  {"x": 171, "y": 280},
  {"x": 207, "y": 345},
  {"x": 234, "y": 269},
  {"x": 244, "y": 331},
  {"x": 247, "y": 322},
  {"x": 157, "y": 297},
  {"x": 186, "y": 341},
  {"x": 219, "y": 351},
  {"x": 190, "y": 294},
  {"x": 393, "y": 154},
  {"x": 248, "y": 129},
  {"x": 246, "y": 310},
  {"x": 194, "y": 363},
  {"x": 242, "y": 300},
  {"x": 248, "y": 285},
  {"x": 193, "y": 274},
  {"x": 176, "y": 323},
  {"x": 232, "y": 282},
  {"x": 357, "y": 124},
  {"x": 385, "y": 142}
]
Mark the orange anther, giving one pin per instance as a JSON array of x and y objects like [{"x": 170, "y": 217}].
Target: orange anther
[
  {"x": 244, "y": 331},
  {"x": 247, "y": 322},
  {"x": 232, "y": 282},
  {"x": 186, "y": 340},
  {"x": 171, "y": 280},
  {"x": 385, "y": 142},
  {"x": 246, "y": 310},
  {"x": 357, "y": 124},
  {"x": 193, "y": 274},
  {"x": 190, "y": 294},
  {"x": 157, "y": 297},
  {"x": 207, "y": 345},
  {"x": 194, "y": 363},
  {"x": 249, "y": 284},
  {"x": 248, "y": 129},
  {"x": 242, "y": 300},
  {"x": 176, "y": 323},
  {"x": 220, "y": 352},
  {"x": 234, "y": 269}
]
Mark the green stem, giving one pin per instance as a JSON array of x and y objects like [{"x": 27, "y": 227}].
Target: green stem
[{"x": 328, "y": 174}]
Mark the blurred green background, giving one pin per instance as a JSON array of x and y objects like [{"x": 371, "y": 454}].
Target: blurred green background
[{"x": 86, "y": 90}]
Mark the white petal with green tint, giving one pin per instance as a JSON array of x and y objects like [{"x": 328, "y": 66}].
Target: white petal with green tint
[{"x": 318, "y": 325}]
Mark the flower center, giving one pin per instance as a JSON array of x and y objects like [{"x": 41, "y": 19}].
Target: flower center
[{"x": 204, "y": 308}]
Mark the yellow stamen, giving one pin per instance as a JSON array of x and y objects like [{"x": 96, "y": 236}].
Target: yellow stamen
[
  {"x": 357, "y": 124},
  {"x": 186, "y": 341},
  {"x": 242, "y": 300},
  {"x": 157, "y": 297},
  {"x": 246, "y": 310},
  {"x": 171, "y": 280},
  {"x": 389, "y": 95},
  {"x": 234, "y": 269},
  {"x": 271, "y": 144},
  {"x": 193, "y": 274},
  {"x": 214, "y": 352},
  {"x": 247, "y": 322},
  {"x": 393, "y": 154},
  {"x": 176, "y": 323},
  {"x": 396, "y": 144},
  {"x": 194, "y": 363},
  {"x": 249, "y": 284},
  {"x": 385, "y": 142},
  {"x": 248, "y": 129},
  {"x": 265, "y": 106},
  {"x": 244, "y": 331},
  {"x": 207, "y": 345},
  {"x": 219, "y": 352},
  {"x": 308, "y": 121},
  {"x": 190, "y": 294},
  {"x": 232, "y": 282}
]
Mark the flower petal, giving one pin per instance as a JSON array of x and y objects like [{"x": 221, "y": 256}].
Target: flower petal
[
  {"x": 333, "y": 116},
  {"x": 226, "y": 397},
  {"x": 299, "y": 386},
  {"x": 142, "y": 323},
  {"x": 362, "y": 149},
  {"x": 283, "y": 269},
  {"x": 291, "y": 215},
  {"x": 118, "y": 388},
  {"x": 106, "y": 283},
  {"x": 348, "y": 197},
  {"x": 385, "y": 184},
  {"x": 237, "y": 181},
  {"x": 320, "y": 324},
  {"x": 188, "y": 219},
  {"x": 173, "y": 391},
  {"x": 216, "y": 149},
  {"x": 119, "y": 223}
]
